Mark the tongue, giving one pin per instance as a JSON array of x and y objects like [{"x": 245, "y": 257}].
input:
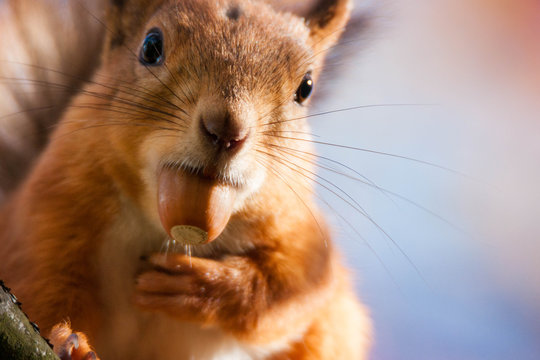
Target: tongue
[{"x": 193, "y": 209}]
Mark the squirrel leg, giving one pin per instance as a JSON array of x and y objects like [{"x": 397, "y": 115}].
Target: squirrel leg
[{"x": 69, "y": 345}]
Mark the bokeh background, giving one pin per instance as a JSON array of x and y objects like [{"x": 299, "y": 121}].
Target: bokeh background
[{"x": 447, "y": 260}]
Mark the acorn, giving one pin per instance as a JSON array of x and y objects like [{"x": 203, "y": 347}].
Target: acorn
[{"x": 193, "y": 209}]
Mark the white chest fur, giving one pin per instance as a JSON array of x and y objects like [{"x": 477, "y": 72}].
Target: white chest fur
[{"x": 127, "y": 332}]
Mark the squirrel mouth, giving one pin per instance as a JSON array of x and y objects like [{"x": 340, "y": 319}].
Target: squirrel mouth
[{"x": 193, "y": 209}]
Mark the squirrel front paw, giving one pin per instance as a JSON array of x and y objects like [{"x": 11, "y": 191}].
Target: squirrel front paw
[
  {"x": 69, "y": 345},
  {"x": 226, "y": 293}
]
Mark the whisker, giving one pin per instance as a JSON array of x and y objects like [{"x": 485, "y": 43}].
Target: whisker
[
  {"x": 116, "y": 124},
  {"x": 368, "y": 106},
  {"x": 363, "y": 179},
  {"x": 163, "y": 102},
  {"x": 40, "y": 108},
  {"x": 294, "y": 132},
  {"x": 190, "y": 98},
  {"x": 364, "y": 240},
  {"x": 96, "y": 95},
  {"x": 366, "y": 181},
  {"x": 131, "y": 51},
  {"x": 323, "y": 234},
  {"x": 352, "y": 203},
  {"x": 125, "y": 111},
  {"x": 355, "y": 205},
  {"x": 423, "y": 162},
  {"x": 108, "y": 97},
  {"x": 178, "y": 84}
]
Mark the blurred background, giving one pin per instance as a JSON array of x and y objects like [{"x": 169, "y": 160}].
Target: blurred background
[{"x": 447, "y": 259}]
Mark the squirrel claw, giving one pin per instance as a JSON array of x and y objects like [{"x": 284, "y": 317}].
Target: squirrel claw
[{"x": 69, "y": 345}]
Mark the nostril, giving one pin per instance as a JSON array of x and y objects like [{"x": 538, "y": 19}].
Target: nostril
[
  {"x": 226, "y": 137},
  {"x": 212, "y": 136}
]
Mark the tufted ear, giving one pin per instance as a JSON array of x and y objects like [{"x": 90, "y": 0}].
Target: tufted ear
[{"x": 325, "y": 18}]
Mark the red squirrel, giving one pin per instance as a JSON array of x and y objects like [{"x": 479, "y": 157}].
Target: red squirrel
[{"x": 192, "y": 131}]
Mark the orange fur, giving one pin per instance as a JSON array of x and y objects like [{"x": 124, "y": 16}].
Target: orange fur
[{"x": 271, "y": 286}]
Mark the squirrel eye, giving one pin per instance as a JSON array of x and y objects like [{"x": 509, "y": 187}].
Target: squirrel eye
[
  {"x": 304, "y": 90},
  {"x": 152, "y": 48}
]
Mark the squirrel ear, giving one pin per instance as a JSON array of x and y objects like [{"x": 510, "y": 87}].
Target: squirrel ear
[{"x": 326, "y": 19}]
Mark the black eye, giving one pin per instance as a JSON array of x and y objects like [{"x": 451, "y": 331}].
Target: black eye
[
  {"x": 304, "y": 90},
  {"x": 152, "y": 48}
]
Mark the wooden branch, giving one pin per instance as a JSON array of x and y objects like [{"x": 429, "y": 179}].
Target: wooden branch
[{"x": 19, "y": 338}]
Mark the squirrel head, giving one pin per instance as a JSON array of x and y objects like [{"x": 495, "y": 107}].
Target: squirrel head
[{"x": 213, "y": 88}]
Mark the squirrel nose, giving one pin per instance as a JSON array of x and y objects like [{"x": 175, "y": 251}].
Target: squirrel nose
[{"x": 223, "y": 132}]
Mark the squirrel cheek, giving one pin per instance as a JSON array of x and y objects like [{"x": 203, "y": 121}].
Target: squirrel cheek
[{"x": 193, "y": 209}]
